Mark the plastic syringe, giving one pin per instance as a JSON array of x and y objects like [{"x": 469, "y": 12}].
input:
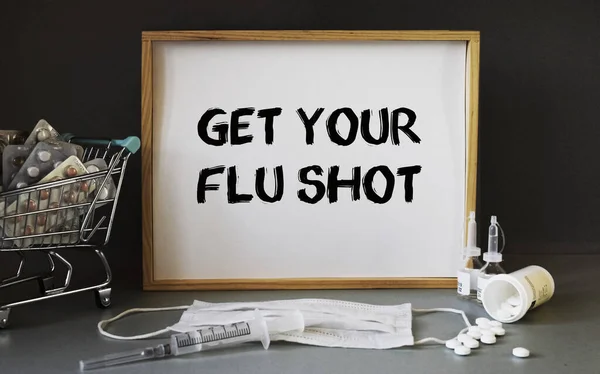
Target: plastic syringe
[{"x": 203, "y": 339}]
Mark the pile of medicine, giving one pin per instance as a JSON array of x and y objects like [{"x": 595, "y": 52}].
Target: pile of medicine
[
  {"x": 31, "y": 159},
  {"x": 485, "y": 332}
]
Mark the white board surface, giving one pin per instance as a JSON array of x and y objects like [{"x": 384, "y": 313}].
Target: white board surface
[{"x": 290, "y": 238}]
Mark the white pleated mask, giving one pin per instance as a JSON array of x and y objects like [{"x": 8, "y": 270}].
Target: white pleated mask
[{"x": 327, "y": 323}]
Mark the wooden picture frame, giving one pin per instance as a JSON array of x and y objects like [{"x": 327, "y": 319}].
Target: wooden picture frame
[{"x": 472, "y": 38}]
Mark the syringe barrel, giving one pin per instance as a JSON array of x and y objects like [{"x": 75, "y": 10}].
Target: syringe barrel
[
  {"x": 123, "y": 357},
  {"x": 221, "y": 336}
]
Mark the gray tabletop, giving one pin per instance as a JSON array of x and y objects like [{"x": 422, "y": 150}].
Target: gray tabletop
[{"x": 562, "y": 335}]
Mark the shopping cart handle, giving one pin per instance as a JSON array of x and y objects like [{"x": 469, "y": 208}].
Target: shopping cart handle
[{"x": 132, "y": 143}]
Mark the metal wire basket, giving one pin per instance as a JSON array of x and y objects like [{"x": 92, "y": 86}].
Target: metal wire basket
[{"x": 76, "y": 212}]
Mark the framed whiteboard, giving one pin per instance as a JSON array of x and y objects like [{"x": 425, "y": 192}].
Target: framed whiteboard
[{"x": 307, "y": 159}]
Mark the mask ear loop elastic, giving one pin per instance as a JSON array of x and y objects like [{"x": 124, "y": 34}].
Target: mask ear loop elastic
[
  {"x": 436, "y": 340},
  {"x": 102, "y": 324}
]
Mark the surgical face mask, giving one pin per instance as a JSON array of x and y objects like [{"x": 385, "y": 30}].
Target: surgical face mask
[{"x": 327, "y": 323}]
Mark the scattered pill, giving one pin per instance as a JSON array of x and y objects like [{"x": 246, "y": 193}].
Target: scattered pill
[
  {"x": 474, "y": 334},
  {"x": 514, "y": 300},
  {"x": 487, "y": 332},
  {"x": 482, "y": 322},
  {"x": 93, "y": 168},
  {"x": 520, "y": 352},
  {"x": 452, "y": 343},
  {"x": 488, "y": 339},
  {"x": 462, "y": 350},
  {"x": 462, "y": 337},
  {"x": 474, "y": 329},
  {"x": 33, "y": 172},
  {"x": 44, "y": 156},
  {"x": 471, "y": 343},
  {"x": 495, "y": 324},
  {"x": 498, "y": 331},
  {"x": 21, "y": 185}
]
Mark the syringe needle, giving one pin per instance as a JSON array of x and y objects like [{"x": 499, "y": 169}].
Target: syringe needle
[{"x": 149, "y": 353}]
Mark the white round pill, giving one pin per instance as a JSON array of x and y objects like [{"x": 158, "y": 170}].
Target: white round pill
[
  {"x": 462, "y": 350},
  {"x": 44, "y": 156},
  {"x": 471, "y": 343},
  {"x": 474, "y": 329},
  {"x": 452, "y": 343},
  {"x": 488, "y": 339},
  {"x": 506, "y": 306},
  {"x": 21, "y": 185},
  {"x": 93, "y": 168},
  {"x": 520, "y": 352},
  {"x": 482, "y": 322},
  {"x": 33, "y": 172},
  {"x": 498, "y": 331},
  {"x": 504, "y": 314},
  {"x": 514, "y": 300},
  {"x": 474, "y": 334},
  {"x": 462, "y": 337},
  {"x": 487, "y": 332},
  {"x": 495, "y": 324}
]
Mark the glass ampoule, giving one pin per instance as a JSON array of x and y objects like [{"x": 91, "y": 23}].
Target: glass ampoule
[
  {"x": 492, "y": 257},
  {"x": 471, "y": 264}
]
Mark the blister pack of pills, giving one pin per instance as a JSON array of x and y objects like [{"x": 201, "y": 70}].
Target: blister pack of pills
[
  {"x": 8, "y": 137},
  {"x": 13, "y": 158},
  {"x": 41, "y": 132},
  {"x": 109, "y": 190},
  {"x": 44, "y": 158}
]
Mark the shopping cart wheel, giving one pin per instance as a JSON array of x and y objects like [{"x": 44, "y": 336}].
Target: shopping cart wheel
[
  {"x": 102, "y": 298},
  {"x": 4, "y": 317}
]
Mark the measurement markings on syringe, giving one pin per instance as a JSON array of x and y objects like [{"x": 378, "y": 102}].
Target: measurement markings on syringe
[{"x": 211, "y": 335}]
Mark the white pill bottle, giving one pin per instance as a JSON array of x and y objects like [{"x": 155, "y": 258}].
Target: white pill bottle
[{"x": 532, "y": 285}]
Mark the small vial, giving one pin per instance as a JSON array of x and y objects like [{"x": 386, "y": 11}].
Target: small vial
[
  {"x": 468, "y": 274},
  {"x": 492, "y": 257}
]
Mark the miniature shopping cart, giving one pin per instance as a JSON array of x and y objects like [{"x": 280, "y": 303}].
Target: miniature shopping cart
[{"x": 76, "y": 212}]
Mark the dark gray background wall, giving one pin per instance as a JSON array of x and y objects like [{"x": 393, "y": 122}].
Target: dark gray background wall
[{"x": 77, "y": 64}]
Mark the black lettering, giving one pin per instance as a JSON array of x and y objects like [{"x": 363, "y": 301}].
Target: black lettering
[
  {"x": 333, "y": 183},
  {"x": 309, "y": 123},
  {"x": 412, "y": 116},
  {"x": 269, "y": 115},
  {"x": 236, "y": 125},
  {"x": 384, "y": 128},
  {"x": 334, "y": 135},
  {"x": 221, "y": 128},
  {"x": 260, "y": 185},
  {"x": 408, "y": 172},
  {"x": 320, "y": 187},
  {"x": 203, "y": 187},
  {"x": 370, "y": 191},
  {"x": 232, "y": 196}
]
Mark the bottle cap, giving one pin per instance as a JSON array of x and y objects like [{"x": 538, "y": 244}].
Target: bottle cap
[
  {"x": 472, "y": 251},
  {"x": 492, "y": 257}
]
